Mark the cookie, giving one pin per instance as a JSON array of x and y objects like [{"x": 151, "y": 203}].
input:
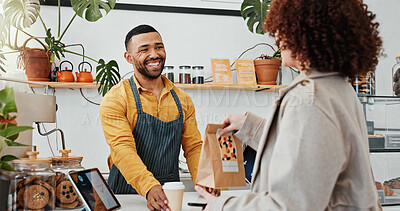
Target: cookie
[
  {"x": 51, "y": 190},
  {"x": 20, "y": 197},
  {"x": 36, "y": 197},
  {"x": 66, "y": 192},
  {"x": 68, "y": 206},
  {"x": 30, "y": 180},
  {"x": 59, "y": 177},
  {"x": 50, "y": 179}
]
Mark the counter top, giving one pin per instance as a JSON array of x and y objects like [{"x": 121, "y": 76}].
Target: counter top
[{"x": 137, "y": 202}]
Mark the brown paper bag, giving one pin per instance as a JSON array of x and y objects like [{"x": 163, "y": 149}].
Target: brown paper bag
[{"x": 221, "y": 160}]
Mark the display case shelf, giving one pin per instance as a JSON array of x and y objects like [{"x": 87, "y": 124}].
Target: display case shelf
[
  {"x": 76, "y": 85},
  {"x": 383, "y": 150}
]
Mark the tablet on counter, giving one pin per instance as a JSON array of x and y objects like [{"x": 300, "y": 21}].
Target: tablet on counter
[{"x": 93, "y": 190}]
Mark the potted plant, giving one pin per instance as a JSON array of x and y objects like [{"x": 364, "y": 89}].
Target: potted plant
[
  {"x": 21, "y": 14},
  {"x": 9, "y": 132},
  {"x": 266, "y": 67}
]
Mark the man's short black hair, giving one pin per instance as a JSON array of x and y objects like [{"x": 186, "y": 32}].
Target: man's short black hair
[{"x": 141, "y": 29}]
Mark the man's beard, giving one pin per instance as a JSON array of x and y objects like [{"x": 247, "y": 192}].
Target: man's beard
[{"x": 144, "y": 71}]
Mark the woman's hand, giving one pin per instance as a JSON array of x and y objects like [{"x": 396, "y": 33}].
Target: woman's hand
[
  {"x": 210, "y": 198},
  {"x": 232, "y": 122}
]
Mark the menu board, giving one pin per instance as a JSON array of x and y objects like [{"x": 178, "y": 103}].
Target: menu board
[
  {"x": 221, "y": 71},
  {"x": 245, "y": 72}
]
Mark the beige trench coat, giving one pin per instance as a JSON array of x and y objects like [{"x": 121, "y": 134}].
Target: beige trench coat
[{"x": 313, "y": 154}]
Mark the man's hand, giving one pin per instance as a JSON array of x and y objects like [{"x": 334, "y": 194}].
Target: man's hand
[
  {"x": 156, "y": 199},
  {"x": 207, "y": 196}
]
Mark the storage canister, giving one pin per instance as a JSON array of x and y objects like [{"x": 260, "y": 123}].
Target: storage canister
[
  {"x": 169, "y": 72},
  {"x": 33, "y": 186},
  {"x": 184, "y": 74},
  {"x": 66, "y": 195},
  {"x": 198, "y": 74},
  {"x": 396, "y": 76}
]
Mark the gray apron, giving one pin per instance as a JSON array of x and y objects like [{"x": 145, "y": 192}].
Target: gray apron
[{"x": 158, "y": 145}]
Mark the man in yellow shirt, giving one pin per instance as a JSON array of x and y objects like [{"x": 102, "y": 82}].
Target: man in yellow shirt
[{"x": 145, "y": 121}]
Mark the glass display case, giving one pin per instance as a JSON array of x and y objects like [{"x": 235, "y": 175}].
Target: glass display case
[{"x": 382, "y": 114}]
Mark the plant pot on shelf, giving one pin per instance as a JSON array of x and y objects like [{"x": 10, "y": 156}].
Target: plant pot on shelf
[
  {"x": 37, "y": 64},
  {"x": 267, "y": 71}
]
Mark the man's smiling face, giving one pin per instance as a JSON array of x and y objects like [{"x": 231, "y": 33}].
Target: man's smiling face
[{"x": 146, "y": 52}]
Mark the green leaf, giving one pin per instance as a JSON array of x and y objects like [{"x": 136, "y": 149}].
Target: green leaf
[
  {"x": 107, "y": 75},
  {"x": 6, "y": 166},
  {"x": 7, "y": 102},
  {"x": 12, "y": 130},
  {"x": 12, "y": 143},
  {"x": 7, "y": 158},
  {"x": 255, "y": 11},
  {"x": 91, "y": 8}
]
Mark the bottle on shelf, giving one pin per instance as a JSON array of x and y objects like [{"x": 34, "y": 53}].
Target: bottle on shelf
[
  {"x": 198, "y": 74},
  {"x": 184, "y": 74},
  {"x": 396, "y": 77},
  {"x": 169, "y": 73}
]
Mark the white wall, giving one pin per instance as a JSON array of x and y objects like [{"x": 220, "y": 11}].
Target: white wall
[{"x": 189, "y": 39}]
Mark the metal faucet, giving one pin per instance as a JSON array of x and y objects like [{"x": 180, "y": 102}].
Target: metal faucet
[{"x": 52, "y": 131}]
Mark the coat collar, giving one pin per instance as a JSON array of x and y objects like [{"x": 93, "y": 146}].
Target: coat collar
[{"x": 304, "y": 76}]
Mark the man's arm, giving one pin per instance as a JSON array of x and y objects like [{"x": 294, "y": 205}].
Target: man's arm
[
  {"x": 191, "y": 139},
  {"x": 118, "y": 134}
]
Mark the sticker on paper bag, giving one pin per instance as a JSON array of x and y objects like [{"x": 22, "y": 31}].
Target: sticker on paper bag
[{"x": 228, "y": 152}]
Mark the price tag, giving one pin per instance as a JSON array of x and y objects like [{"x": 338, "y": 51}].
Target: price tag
[
  {"x": 246, "y": 72},
  {"x": 221, "y": 71}
]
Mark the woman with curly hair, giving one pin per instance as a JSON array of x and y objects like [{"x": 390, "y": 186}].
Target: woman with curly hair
[{"x": 313, "y": 152}]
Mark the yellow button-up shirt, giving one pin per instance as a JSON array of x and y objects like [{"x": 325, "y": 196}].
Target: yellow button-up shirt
[{"x": 118, "y": 115}]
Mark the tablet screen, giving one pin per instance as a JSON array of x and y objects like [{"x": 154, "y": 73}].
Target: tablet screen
[{"x": 94, "y": 190}]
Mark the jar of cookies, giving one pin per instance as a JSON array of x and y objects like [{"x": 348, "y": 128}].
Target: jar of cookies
[
  {"x": 365, "y": 85},
  {"x": 33, "y": 186},
  {"x": 66, "y": 195},
  {"x": 396, "y": 77}
]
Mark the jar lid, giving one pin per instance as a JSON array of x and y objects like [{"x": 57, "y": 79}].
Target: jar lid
[
  {"x": 184, "y": 67},
  {"x": 168, "y": 67},
  {"x": 32, "y": 159},
  {"x": 198, "y": 67},
  {"x": 65, "y": 157}
]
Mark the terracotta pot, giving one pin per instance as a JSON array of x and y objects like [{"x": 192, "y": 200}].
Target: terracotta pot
[
  {"x": 37, "y": 64},
  {"x": 267, "y": 71}
]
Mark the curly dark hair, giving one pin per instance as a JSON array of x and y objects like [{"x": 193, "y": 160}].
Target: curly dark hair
[{"x": 328, "y": 35}]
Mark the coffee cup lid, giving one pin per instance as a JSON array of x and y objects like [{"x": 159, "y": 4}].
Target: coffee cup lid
[{"x": 173, "y": 186}]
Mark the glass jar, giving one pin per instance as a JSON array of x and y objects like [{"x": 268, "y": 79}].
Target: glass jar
[
  {"x": 198, "y": 75},
  {"x": 33, "y": 186},
  {"x": 169, "y": 73},
  {"x": 66, "y": 195},
  {"x": 365, "y": 84},
  {"x": 184, "y": 74},
  {"x": 396, "y": 76}
]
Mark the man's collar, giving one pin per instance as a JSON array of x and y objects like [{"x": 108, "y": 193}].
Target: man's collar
[{"x": 167, "y": 83}]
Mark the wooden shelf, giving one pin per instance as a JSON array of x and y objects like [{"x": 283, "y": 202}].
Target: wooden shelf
[{"x": 76, "y": 85}]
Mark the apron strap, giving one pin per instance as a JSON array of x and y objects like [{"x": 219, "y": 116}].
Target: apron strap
[
  {"x": 177, "y": 101},
  {"x": 136, "y": 95}
]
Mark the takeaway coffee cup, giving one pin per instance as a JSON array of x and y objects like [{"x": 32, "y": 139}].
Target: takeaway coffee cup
[{"x": 174, "y": 193}]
